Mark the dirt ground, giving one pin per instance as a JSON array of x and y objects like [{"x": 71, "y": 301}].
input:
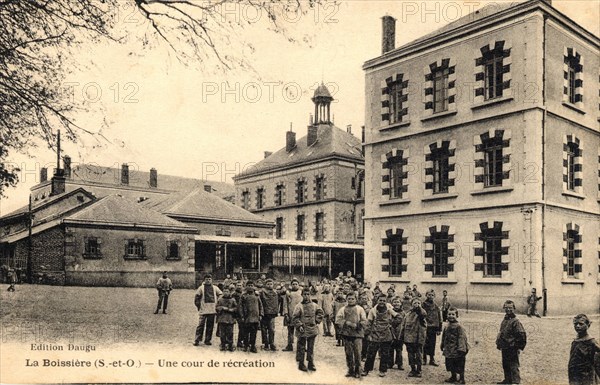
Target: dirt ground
[{"x": 119, "y": 323}]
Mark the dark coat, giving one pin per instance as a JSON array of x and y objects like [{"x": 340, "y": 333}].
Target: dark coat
[
  {"x": 250, "y": 309},
  {"x": 270, "y": 301},
  {"x": 414, "y": 327},
  {"x": 454, "y": 341},
  {"x": 434, "y": 315},
  {"x": 512, "y": 334},
  {"x": 380, "y": 324},
  {"x": 226, "y": 310},
  {"x": 581, "y": 361}
]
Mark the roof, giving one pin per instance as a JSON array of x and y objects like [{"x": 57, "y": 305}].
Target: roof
[
  {"x": 331, "y": 141},
  {"x": 199, "y": 204},
  {"x": 278, "y": 242},
  {"x": 116, "y": 210},
  {"x": 322, "y": 91},
  {"x": 38, "y": 205},
  {"x": 486, "y": 11},
  {"x": 95, "y": 174}
]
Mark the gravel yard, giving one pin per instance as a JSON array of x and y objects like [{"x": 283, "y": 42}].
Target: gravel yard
[{"x": 118, "y": 324}]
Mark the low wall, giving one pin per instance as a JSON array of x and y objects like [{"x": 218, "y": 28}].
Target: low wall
[{"x": 181, "y": 280}]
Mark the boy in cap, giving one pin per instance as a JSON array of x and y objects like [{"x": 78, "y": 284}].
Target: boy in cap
[{"x": 305, "y": 318}]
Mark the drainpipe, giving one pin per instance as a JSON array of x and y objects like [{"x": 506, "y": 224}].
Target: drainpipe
[{"x": 544, "y": 117}]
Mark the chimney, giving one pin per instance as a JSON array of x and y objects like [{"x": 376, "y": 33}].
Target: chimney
[
  {"x": 388, "y": 38},
  {"x": 208, "y": 188},
  {"x": 43, "y": 174},
  {"x": 349, "y": 128},
  {"x": 290, "y": 141},
  {"x": 153, "y": 178},
  {"x": 67, "y": 166},
  {"x": 125, "y": 174},
  {"x": 311, "y": 138},
  {"x": 268, "y": 154},
  {"x": 58, "y": 184}
]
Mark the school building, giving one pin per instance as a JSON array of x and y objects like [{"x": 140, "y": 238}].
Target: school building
[{"x": 482, "y": 151}]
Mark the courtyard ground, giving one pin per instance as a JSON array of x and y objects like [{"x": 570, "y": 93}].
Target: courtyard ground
[{"x": 131, "y": 344}]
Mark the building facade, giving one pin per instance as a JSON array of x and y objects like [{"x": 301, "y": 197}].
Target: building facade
[
  {"x": 313, "y": 188},
  {"x": 482, "y": 156}
]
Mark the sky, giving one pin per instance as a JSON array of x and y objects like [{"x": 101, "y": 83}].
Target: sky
[{"x": 190, "y": 120}]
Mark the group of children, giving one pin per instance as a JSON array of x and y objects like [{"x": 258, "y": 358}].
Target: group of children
[{"x": 369, "y": 322}]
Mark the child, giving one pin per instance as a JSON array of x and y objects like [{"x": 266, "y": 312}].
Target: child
[
  {"x": 269, "y": 299},
  {"x": 351, "y": 321},
  {"x": 292, "y": 298},
  {"x": 237, "y": 295},
  {"x": 391, "y": 294},
  {"x": 511, "y": 339},
  {"x": 445, "y": 305},
  {"x": 326, "y": 303},
  {"x": 455, "y": 347},
  {"x": 226, "y": 309},
  {"x": 407, "y": 301},
  {"x": 363, "y": 301},
  {"x": 251, "y": 312},
  {"x": 413, "y": 335},
  {"x": 338, "y": 304},
  {"x": 380, "y": 336},
  {"x": 395, "y": 357},
  {"x": 583, "y": 349},
  {"x": 532, "y": 301},
  {"x": 434, "y": 327},
  {"x": 306, "y": 318}
]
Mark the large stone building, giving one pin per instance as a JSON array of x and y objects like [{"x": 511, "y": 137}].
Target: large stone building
[
  {"x": 482, "y": 158},
  {"x": 312, "y": 189}
]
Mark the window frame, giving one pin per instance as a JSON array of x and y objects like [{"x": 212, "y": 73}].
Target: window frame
[
  {"x": 279, "y": 228},
  {"x": 260, "y": 198},
  {"x": 319, "y": 226},
  {"x": 300, "y": 191},
  {"x": 136, "y": 249},
  {"x": 492, "y": 254},
  {"x": 440, "y": 253},
  {"x": 319, "y": 188},
  {"x": 88, "y": 252},
  {"x": 441, "y": 170},
  {"x": 170, "y": 255},
  {"x": 279, "y": 194},
  {"x": 395, "y": 104},
  {"x": 246, "y": 199},
  {"x": 493, "y": 155},
  {"x": 493, "y": 64},
  {"x": 395, "y": 165},
  {"x": 300, "y": 224},
  {"x": 571, "y": 248},
  {"x": 440, "y": 79},
  {"x": 572, "y": 151},
  {"x": 395, "y": 243}
]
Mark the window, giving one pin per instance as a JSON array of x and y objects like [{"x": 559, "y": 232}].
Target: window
[
  {"x": 319, "y": 227},
  {"x": 396, "y": 255},
  {"x": 260, "y": 198},
  {"x": 441, "y": 169},
  {"x": 396, "y": 178},
  {"x": 361, "y": 224},
  {"x": 135, "y": 249},
  {"x": 493, "y": 173},
  {"x": 360, "y": 191},
  {"x": 279, "y": 189},
  {"x": 246, "y": 200},
  {"x": 492, "y": 253},
  {"x": 440, "y": 89},
  {"x": 301, "y": 187},
  {"x": 571, "y": 249},
  {"x": 573, "y": 77},
  {"x": 173, "y": 250},
  {"x": 92, "y": 247},
  {"x": 279, "y": 227},
  {"x": 494, "y": 70},
  {"x": 572, "y": 151},
  {"x": 440, "y": 254},
  {"x": 300, "y": 227},
  {"x": 396, "y": 107},
  {"x": 319, "y": 188}
]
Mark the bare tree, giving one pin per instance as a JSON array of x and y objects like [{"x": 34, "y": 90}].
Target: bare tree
[{"x": 39, "y": 40}]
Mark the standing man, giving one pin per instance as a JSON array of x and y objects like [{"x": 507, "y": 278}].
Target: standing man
[
  {"x": 511, "y": 340},
  {"x": 532, "y": 301},
  {"x": 206, "y": 303},
  {"x": 306, "y": 318},
  {"x": 292, "y": 298},
  {"x": 164, "y": 287},
  {"x": 434, "y": 327}
]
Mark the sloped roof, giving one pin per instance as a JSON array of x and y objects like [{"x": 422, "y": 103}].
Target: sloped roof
[
  {"x": 200, "y": 204},
  {"x": 322, "y": 91},
  {"x": 115, "y": 209},
  {"x": 484, "y": 12},
  {"x": 37, "y": 205},
  {"x": 331, "y": 141},
  {"x": 95, "y": 174}
]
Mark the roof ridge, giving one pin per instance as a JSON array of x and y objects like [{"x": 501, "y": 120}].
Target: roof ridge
[{"x": 181, "y": 201}]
